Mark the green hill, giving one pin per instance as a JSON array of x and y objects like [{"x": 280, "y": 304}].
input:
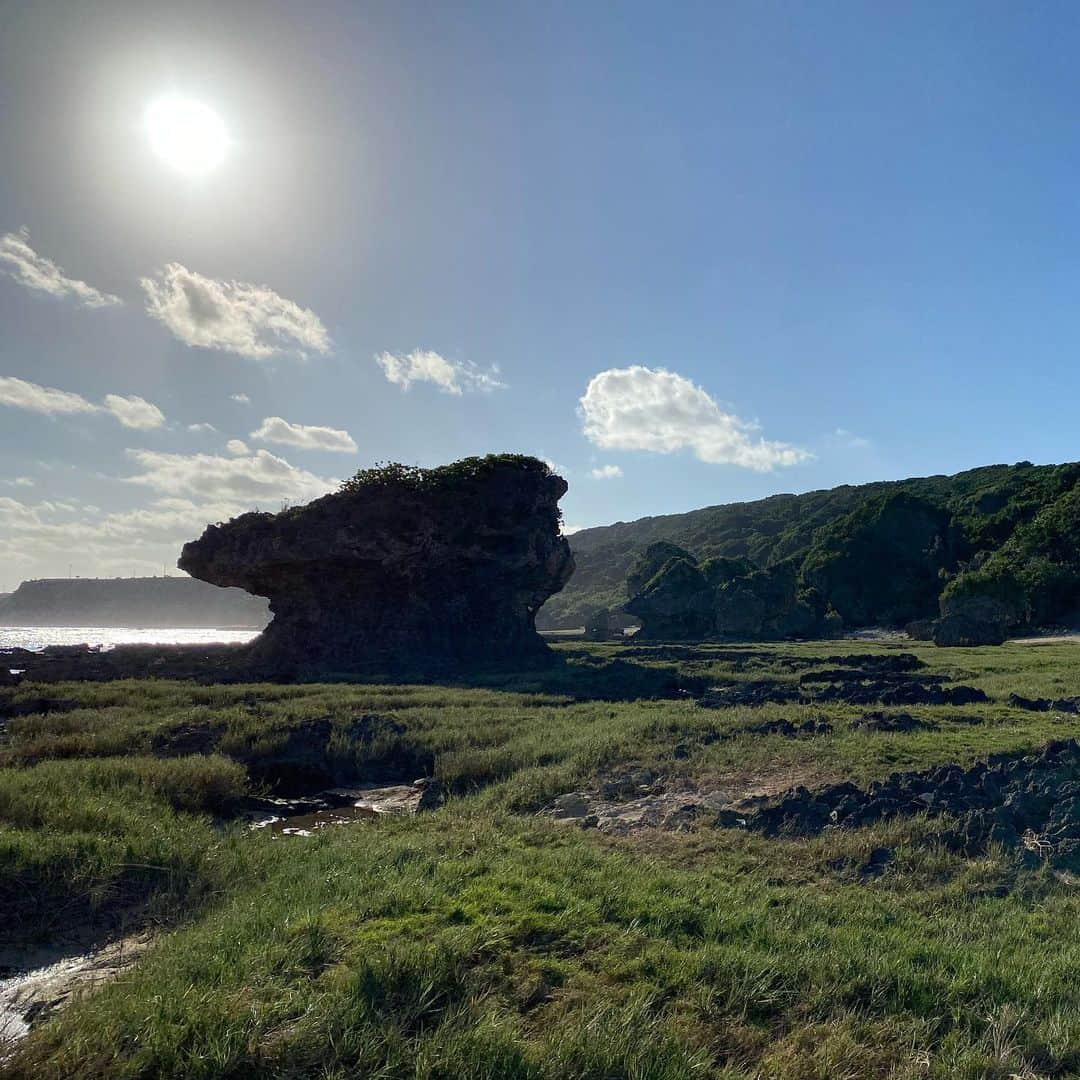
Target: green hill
[{"x": 885, "y": 552}]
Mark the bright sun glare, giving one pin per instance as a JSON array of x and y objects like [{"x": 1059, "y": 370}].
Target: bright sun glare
[{"x": 186, "y": 134}]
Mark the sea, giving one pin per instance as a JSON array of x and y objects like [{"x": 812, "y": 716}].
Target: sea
[{"x": 36, "y": 638}]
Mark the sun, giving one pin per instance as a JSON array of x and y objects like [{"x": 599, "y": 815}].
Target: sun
[{"x": 186, "y": 134}]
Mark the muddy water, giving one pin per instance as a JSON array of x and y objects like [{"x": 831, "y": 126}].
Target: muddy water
[
  {"x": 341, "y": 806},
  {"x": 47, "y": 980},
  {"x": 307, "y": 824}
]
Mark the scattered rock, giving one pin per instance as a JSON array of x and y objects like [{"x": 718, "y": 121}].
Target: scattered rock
[
  {"x": 574, "y": 804},
  {"x": 876, "y": 862},
  {"x": 880, "y": 721},
  {"x": 636, "y": 801},
  {"x": 1062, "y": 705},
  {"x": 878, "y": 680},
  {"x": 1030, "y": 801},
  {"x": 786, "y": 727}
]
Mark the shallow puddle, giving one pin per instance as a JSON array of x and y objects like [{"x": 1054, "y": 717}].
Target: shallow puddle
[
  {"x": 308, "y": 824},
  {"x": 341, "y": 806}
]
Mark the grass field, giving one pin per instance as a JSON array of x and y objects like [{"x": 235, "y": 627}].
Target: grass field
[{"x": 483, "y": 940}]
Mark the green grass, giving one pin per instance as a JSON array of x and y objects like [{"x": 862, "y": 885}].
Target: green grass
[{"x": 483, "y": 941}]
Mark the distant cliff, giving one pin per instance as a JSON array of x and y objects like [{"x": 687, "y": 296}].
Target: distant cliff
[{"x": 139, "y": 602}]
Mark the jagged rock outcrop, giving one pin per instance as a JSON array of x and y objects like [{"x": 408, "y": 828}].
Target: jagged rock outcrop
[
  {"x": 673, "y": 598},
  {"x": 676, "y": 597},
  {"x": 403, "y": 569}
]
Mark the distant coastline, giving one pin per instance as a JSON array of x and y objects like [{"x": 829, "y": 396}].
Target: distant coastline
[{"x": 138, "y": 603}]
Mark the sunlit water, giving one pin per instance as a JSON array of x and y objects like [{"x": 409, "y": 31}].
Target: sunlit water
[{"x": 36, "y": 638}]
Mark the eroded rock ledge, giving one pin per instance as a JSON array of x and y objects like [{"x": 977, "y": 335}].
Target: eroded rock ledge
[{"x": 403, "y": 569}]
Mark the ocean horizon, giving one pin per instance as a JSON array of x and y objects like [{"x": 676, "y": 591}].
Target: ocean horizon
[{"x": 37, "y": 638}]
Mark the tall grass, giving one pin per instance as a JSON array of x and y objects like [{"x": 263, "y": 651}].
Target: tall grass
[{"x": 485, "y": 942}]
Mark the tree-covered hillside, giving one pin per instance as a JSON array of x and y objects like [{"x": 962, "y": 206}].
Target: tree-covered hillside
[{"x": 881, "y": 552}]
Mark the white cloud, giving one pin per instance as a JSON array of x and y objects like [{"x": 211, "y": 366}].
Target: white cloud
[
  {"x": 606, "y": 472},
  {"x": 36, "y": 272},
  {"x": 134, "y": 412},
  {"x": 201, "y": 427},
  {"x": 849, "y": 439},
  {"x": 233, "y": 316},
  {"x": 144, "y": 537},
  {"x": 18, "y": 481},
  {"x": 569, "y": 530},
  {"x": 640, "y": 408},
  {"x": 451, "y": 376},
  {"x": 46, "y": 400},
  {"x": 260, "y": 477},
  {"x": 240, "y": 399},
  {"x": 274, "y": 429},
  {"x": 237, "y": 447}
]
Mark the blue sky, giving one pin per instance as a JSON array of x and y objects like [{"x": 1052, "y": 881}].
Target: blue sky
[{"x": 709, "y": 251}]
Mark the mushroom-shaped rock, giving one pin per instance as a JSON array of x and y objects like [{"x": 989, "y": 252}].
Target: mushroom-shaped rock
[{"x": 403, "y": 569}]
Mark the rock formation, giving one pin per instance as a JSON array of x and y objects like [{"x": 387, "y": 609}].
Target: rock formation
[
  {"x": 676, "y": 597},
  {"x": 403, "y": 569},
  {"x": 971, "y": 620}
]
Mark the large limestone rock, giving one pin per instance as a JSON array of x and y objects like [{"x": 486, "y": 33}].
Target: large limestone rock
[
  {"x": 676, "y": 597},
  {"x": 402, "y": 569},
  {"x": 670, "y": 595}
]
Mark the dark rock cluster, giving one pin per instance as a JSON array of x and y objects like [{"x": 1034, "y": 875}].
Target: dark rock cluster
[
  {"x": 890, "y": 722},
  {"x": 676, "y": 597},
  {"x": 1009, "y": 799},
  {"x": 1061, "y": 705},
  {"x": 402, "y": 569},
  {"x": 91, "y": 663},
  {"x": 877, "y": 680}
]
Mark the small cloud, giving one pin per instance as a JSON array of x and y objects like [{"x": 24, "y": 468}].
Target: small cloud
[
  {"x": 276, "y": 430},
  {"x": 450, "y": 376},
  {"x": 606, "y": 472},
  {"x": 46, "y": 400},
  {"x": 18, "y": 481},
  {"x": 555, "y": 467},
  {"x": 241, "y": 399},
  {"x": 134, "y": 412},
  {"x": 569, "y": 530},
  {"x": 231, "y": 316},
  {"x": 201, "y": 427},
  {"x": 36, "y": 272},
  {"x": 850, "y": 439},
  {"x": 237, "y": 446},
  {"x": 640, "y": 408}
]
